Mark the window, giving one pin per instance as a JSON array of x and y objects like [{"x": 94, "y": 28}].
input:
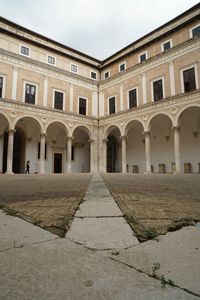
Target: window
[
  {"x": 1, "y": 87},
  {"x": 74, "y": 68},
  {"x": 106, "y": 74},
  {"x": 142, "y": 57},
  {"x": 189, "y": 80},
  {"x": 157, "y": 90},
  {"x": 58, "y": 100},
  {"x": 166, "y": 45},
  {"x": 112, "y": 105},
  {"x": 195, "y": 31},
  {"x": 30, "y": 92},
  {"x": 51, "y": 60},
  {"x": 25, "y": 50},
  {"x": 45, "y": 151},
  {"x": 122, "y": 67},
  {"x": 82, "y": 106},
  {"x": 132, "y": 94},
  {"x": 93, "y": 75}
]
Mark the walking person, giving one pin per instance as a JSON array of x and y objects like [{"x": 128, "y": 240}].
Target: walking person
[{"x": 27, "y": 167}]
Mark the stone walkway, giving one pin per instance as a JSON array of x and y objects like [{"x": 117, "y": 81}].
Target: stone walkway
[{"x": 99, "y": 223}]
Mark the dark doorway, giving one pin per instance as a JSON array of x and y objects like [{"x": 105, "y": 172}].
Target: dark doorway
[
  {"x": 5, "y": 151},
  {"x": 57, "y": 162},
  {"x": 112, "y": 147}
]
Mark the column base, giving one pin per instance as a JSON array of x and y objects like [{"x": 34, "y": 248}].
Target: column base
[
  {"x": 148, "y": 172},
  {"x": 9, "y": 173}
]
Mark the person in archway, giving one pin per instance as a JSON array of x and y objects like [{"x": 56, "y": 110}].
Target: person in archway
[{"x": 27, "y": 167}]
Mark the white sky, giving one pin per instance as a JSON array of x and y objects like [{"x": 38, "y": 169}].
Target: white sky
[{"x": 96, "y": 27}]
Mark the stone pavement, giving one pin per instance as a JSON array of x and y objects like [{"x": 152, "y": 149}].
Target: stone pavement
[
  {"x": 38, "y": 265},
  {"x": 99, "y": 223}
]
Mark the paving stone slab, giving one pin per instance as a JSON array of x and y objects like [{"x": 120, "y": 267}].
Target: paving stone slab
[{"x": 99, "y": 209}]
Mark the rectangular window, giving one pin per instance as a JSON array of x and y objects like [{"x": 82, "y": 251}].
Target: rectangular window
[
  {"x": 30, "y": 93},
  {"x": 74, "y": 68},
  {"x": 158, "y": 90},
  {"x": 106, "y": 74},
  {"x": 112, "y": 105},
  {"x": 51, "y": 60},
  {"x": 166, "y": 46},
  {"x": 58, "y": 100},
  {"x": 132, "y": 98},
  {"x": 25, "y": 50},
  {"x": 45, "y": 151},
  {"x": 1, "y": 87},
  {"x": 189, "y": 80},
  {"x": 122, "y": 67},
  {"x": 143, "y": 57},
  {"x": 196, "y": 31},
  {"x": 82, "y": 106},
  {"x": 93, "y": 75}
]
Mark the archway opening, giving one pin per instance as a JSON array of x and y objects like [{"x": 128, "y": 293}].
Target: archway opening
[
  {"x": 81, "y": 150},
  {"x": 113, "y": 163},
  {"x": 4, "y": 126}
]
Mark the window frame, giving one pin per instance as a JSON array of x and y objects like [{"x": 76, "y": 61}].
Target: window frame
[
  {"x": 4, "y": 85},
  {"x": 107, "y": 71},
  {"x": 123, "y": 63},
  {"x": 108, "y": 105},
  {"x": 142, "y": 53},
  {"x": 163, "y": 88},
  {"x": 195, "y": 73},
  {"x": 83, "y": 97},
  {"x": 133, "y": 88},
  {"x": 53, "y": 104},
  {"x": 191, "y": 29},
  {"x": 91, "y": 75},
  {"x": 48, "y": 60},
  {"x": 167, "y": 41},
  {"x": 36, "y": 91},
  {"x": 29, "y": 50},
  {"x": 75, "y": 72}
]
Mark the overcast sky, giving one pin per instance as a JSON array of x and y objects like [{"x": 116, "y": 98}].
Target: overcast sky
[{"x": 96, "y": 27}]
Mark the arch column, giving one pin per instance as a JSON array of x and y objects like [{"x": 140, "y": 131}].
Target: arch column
[
  {"x": 104, "y": 154},
  {"x": 69, "y": 154},
  {"x": 147, "y": 151},
  {"x": 1, "y": 154},
  {"x": 123, "y": 139},
  {"x": 177, "y": 148},
  {"x": 42, "y": 152},
  {"x": 92, "y": 167},
  {"x": 11, "y": 133}
]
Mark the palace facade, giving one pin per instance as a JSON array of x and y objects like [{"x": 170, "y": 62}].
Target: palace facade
[{"x": 137, "y": 111}]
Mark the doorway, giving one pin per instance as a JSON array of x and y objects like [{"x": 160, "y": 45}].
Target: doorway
[
  {"x": 112, "y": 154},
  {"x": 57, "y": 162}
]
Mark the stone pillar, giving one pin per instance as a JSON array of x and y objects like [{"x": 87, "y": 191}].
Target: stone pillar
[
  {"x": 92, "y": 169},
  {"x": 1, "y": 154},
  {"x": 45, "y": 95},
  {"x": 105, "y": 155},
  {"x": 101, "y": 104},
  {"x": 177, "y": 149},
  {"x": 95, "y": 104},
  {"x": 14, "y": 83},
  {"x": 144, "y": 90},
  {"x": 10, "y": 151},
  {"x": 171, "y": 77},
  {"x": 71, "y": 96},
  {"x": 121, "y": 97},
  {"x": 42, "y": 152},
  {"x": 147, "y": 151},
  {"x": 123, "y": 138},
  {"x": 69, "y": 154}
]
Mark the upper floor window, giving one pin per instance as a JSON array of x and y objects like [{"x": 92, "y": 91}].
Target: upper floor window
[
  {"x": 1, "y": 87},
  {"x": 93, "y": 75},
  {"x": 112, "y": 108},
  {"x": 189, "y": 80},
  {"x": 82, "y": 106},
  {"x": 132, "y": 97},
  {"x": 195, "y": 31},
  {"x": 122, "y": 67},
  {"x": 74, "y": 68},
  {"x": 106, "y": 74},
  {"x": 30, "y": 93},
  {"x": 166, "y": 45},
  {"x": 58, "y": 100},
  {"x": 51, "y": 60},
  {"x": 25, "y": 50},
  {"x": 143, "y": 57},
  {"x": 158, "y": 90}
]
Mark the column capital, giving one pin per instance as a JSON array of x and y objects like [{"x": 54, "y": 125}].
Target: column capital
[
  {"x": 15, "y": 68},
  {"x": 147, "y": 133},
  {"x": 91, "y": 141},
  {"x": 177, "y": 128},
  {"x": 70, "y": 138},
  {"x": 171, "y": 62},
  {"x": 43, "y": 135},
  {"x": 105, "y": 140},
  {"x": 123, "y": 137},
  {"x": 11, "y": 131}
]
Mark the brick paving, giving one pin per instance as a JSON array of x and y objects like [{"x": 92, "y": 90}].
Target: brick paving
[
  {"x": 49, "y": 201},
  {"x": 155, "y": 204}
]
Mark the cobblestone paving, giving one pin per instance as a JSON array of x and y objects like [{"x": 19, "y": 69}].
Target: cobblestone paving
[
  {"x": 155, "y": 204},
  {"x": 49, "y": 201}
]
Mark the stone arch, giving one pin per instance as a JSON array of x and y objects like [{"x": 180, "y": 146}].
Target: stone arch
[
  {"x": 182, "y": 110},
  {"x": 148, "y": 125},
  {"x": 36, "y": 120},
  {"x": 84, "y": 128},
  {"x": 110, "y": 128},
  {"x": 60, "y": 123},
  {"x": 129, "y": 124}
]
